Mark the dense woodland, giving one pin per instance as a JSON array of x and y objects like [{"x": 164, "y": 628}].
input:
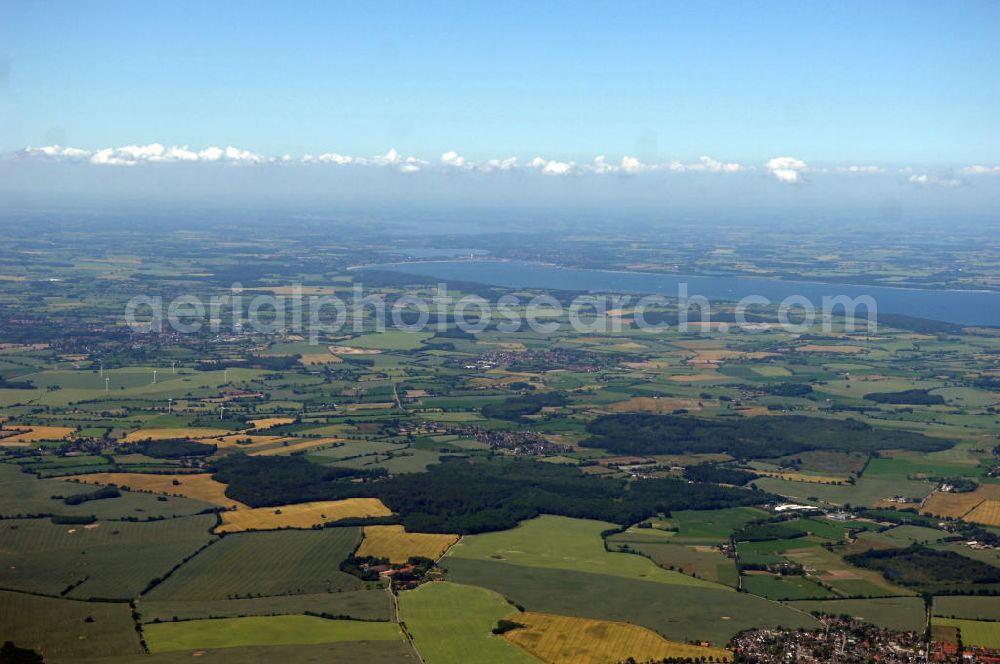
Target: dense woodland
[
  {"x": 271, "y": 481},
  {"x": 752, "y": 438},
  {"x": 906, "y": 397},
  {"x": 174, "y": 448},
  {"x": 464, "y": 497},
  {"x": 929, "y": 570},
  {"x": 517, "y": 408},
  {"x": 714, "y": 473}
]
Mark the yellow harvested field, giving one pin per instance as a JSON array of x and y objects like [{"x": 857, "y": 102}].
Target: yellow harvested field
[
  {"x": 375, "y": 405},
  {"x": 394, "y": 543},
  {"x": 32, "y": 434},
  {"x": 199, "y": 486},
  {"x": 803, "y": 477},
  {"x": 296, "y": 447},
  {"x": 654, "y": 405},
  {"x": 302, "y": 515},
  {"x": 351, "y": 350},
  {"x": 649, "y": 364},
  {"x": 719, "y": 355},
  {"x": 569, "y": 640},
  {"x": 507, "y": 345},
  {"x": 171, "y": 433},
  {"x": 755, "y": 411},
  {"x": 268, "y": 422},
  {"x": 627, "y": 346},
  {"x": 815, "y": 348},
  {"x": 986, "y": 513},
  {"x": 314, "y": 359},
  {"x": 239, "y": 441},
  {"x": 957, "y": 505},
  {"x": 22, "y": 347}
]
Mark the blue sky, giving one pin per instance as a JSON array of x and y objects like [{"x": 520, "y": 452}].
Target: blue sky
[{"x": 887, "y": 83}]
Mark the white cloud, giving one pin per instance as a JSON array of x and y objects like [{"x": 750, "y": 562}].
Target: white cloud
[
  {"x": 600, "y": 166},
  {"x": 131, "y": 155},
  {"x": 981, "y": 170},
  {"x": 557, "y": 168},
  {"x": 452, "y": 159},
  {"x": 787, "y": 169},
  {"x": 551, "y": 166},
  {"x": 390, "y": 158},
  {"x": 498, "y": 165},
  {"x": 929, "y": 179},
  {"x": 54, "y": 152},
  {"x": 715, "y": 166},
  {"x": 328, "y": 158},
  {"x": 786, "y": 175},
  {"x": 859, "y": 169},
  {"x": 633, "y": 165},
  {"x": 394, "y": 160}
]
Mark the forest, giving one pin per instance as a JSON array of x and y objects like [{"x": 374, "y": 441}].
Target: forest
[
  {"x": 930, "y": 570},
  {"x": 462, "y": 496},
  {"x": 746, "y": 438}
]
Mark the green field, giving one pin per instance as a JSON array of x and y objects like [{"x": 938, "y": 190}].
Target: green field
[
  {"x": 767, "y": 552},
  {"x": 263, "y": 631},
  {"x": 678, "y": 612},
  {"x": 773, "y": 586},
  {"x": 703, "y": 561},
  {"x": 265, "y": 563},
  {"x": 696, "y": 526},
  {"x": 355, "y": 652},
  {"x": 60, "y": 627},
  {"x": 843, "y": 577},
  {"x": 902, "y": 613},
  {"x": 452, "y": 622},
  {"x": 357, "y": 604},
  {"x": 23, "y": 494},
  {"x": 985, "y": 633},
  {"x": 109, "y": 559},
  {"x": 132, "y": 382},
  {"x": 390, "y": 340},
  {"x": 974, "y": 608},
  {"x": 919, "y": 467},
  {"x": 560, "y": 543},
  {"x": 867, "y": 490}
]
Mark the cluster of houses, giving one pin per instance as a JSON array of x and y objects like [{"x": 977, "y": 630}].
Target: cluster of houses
[{"x": 840, "y": 641}]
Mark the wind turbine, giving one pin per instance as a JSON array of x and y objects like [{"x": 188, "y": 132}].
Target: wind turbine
[
  {"x": 107, "y": 380},
  {"x": 222, "y": 412},
  {"x": 173, "y": 366},
  {"x": 102, "y": 368},
  {"x": 225, "y": 375},
  {"x": 170, "y": 404},
  {"x": 154, "y": 376}
]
